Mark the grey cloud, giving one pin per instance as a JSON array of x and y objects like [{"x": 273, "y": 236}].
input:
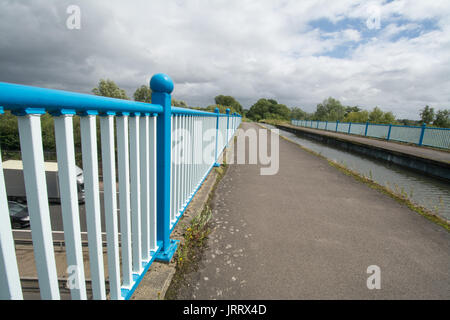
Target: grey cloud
[{"x": 246, "y": 49}]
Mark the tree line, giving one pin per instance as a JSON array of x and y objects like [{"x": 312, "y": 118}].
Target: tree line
[{"x": 333, "y": 110}]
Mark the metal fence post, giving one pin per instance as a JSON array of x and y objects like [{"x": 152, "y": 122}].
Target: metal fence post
[
  {"x": 389, "y": 132},
  {"x": 422, "y": 133},
  {"x": 326, "y": 125},
  {"x": 162, "y": 87},
  {"x": 367, "y": 127},
  {"x": 337, "y": 124},
  {"x": 217, "y": 111},
  {"x": 349, "y": 127}
]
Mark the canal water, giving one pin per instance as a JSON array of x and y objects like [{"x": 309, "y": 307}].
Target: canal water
[{"x": 425, "y": 191}]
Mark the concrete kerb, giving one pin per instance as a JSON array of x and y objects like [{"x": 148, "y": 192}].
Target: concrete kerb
[{"x": 157, "y": 280}]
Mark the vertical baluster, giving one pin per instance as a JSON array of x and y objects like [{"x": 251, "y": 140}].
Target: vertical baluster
[
  {"x": 228, "y": 128},
  {"x": 180, "y": 167},
  {"x": 153, "y": 190},
  {"x": 195, "y": 155},
  {"x": 135, "y": 172},
  {"x": 185, "y": 159},
  {"x": 216, "y": 164},
  {"x": 177, "y": 167},
  {"x": 183, "y": 164},
  {"x": 92, "y": 203},
  {"x": 173, "y": 173},
  {"x": 124, "y": 198},
  {"x": 145, "y": 188},
  {"x": 110, "y": 200},
  {"x": 9, "y": 273},
  {"x": 69, "y": 202},
  {"x": 191, "y": 162},
  {"x": 37, "y": 199}
]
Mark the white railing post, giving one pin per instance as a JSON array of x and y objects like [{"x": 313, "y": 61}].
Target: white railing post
[
  {"x": 124, "y": 198},
  {"x": 153, "y": 189},
  {"x": 110, "y": 199},
  {"x": 92, "y": 203},
  {"x": 135, "y": 173},
  {"x": 172, "y": 169},
  {"x": 145, "y": 187},
  {"x": 38, "y": 208},
  {"x": 69, "y": 203},
  {"x": 175, "y": 167},
  {"x": 10, "y": 288}
]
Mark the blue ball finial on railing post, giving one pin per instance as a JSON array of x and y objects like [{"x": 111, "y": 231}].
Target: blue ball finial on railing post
[
  {"x": 217, "y": 111},
  {"x": 162, "y": 86},
  {"x": 161, "y": 82}
]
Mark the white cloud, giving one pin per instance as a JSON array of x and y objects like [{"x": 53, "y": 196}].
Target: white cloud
[{"x": 248, "y": 49}]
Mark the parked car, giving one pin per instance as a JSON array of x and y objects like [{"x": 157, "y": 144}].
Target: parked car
[
  {"x": 15, "y": 183},
  {"x": 18, "y": 214}
]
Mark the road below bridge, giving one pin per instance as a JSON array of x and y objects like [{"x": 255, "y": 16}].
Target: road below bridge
[{"x": 311, "y": 232}]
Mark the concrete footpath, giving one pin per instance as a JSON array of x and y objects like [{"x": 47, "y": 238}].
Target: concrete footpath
[{"x": 311, "y": 232}]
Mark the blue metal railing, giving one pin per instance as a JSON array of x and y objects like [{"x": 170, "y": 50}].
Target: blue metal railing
[
  {"x": 153, "y": 192},
  {"x": 421, "y": 136}
]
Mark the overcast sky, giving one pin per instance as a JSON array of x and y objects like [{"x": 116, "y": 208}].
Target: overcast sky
[{"x": 391, "y": 54}]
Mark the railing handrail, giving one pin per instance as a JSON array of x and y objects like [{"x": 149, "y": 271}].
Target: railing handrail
[{"x": 19, "y": 98}]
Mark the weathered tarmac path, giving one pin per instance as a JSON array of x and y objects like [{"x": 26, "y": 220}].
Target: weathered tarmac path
[{"x": 310, "y": 232}]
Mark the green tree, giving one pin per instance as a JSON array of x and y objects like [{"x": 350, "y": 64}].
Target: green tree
[
  {"x": 179, "y": 103},
  {"x": 268, "y": 109},
  {"x": 330, "y": 110},
  {"x": 376, "y": 115},
  {"x": 408, "y": 122},
  {"x": 298, "y": 114},
  {"x": 427, "y": 115},
  {"x": 388, "y": 118},
  {"x": 352, "y": 109},
  {"x": 442, "y": 119},
  {"x": 108, "y": 88},
  {"x": 228, "y": 101},
  {"x": 143, "y": 94},
  {"x": 9, "y": 132},
  {"x": 357, "y": 116}
]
